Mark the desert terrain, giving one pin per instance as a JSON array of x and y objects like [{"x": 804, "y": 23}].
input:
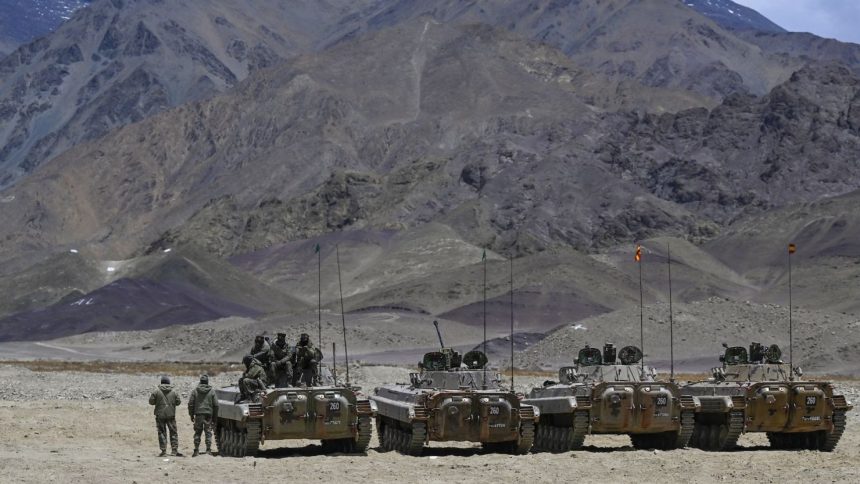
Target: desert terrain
[{"x": 61, "y": 424}]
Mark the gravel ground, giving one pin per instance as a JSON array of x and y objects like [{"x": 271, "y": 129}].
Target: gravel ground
[{"x": 97, "y": 427}]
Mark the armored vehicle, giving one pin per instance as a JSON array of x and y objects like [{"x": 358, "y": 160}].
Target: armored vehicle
[
  {"x": 338, "y": 415},
  {"x": 600, "y": 396},
  {"x": 453, "y": 398},
  {"x": 756, "y": 392}
]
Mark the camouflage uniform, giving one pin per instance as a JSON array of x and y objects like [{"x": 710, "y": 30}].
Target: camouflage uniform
[
  {"x": 306, "y": 359},
  {"x": 254, "y": 378},
  {"x": 281, "y": 365},
  {"x": 262, "y": 351},
  {"x": 203, "y": 409},
  {"x": 166, "y": 400}
]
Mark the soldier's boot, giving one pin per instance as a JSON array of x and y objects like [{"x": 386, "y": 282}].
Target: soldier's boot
[
  {"x": 163, "y": 453},
  {"x": 208, "y": 450},
  {"x": 196, "y": 452},
  {"x": 176, "y": 453}
]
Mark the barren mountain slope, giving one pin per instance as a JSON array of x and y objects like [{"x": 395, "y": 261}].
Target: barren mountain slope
[
  {"x": 120, "y": 61},
  {"x": 442, "y": 116},
  {"x": 658, "y": 42},
  {"x": 826, "y": 273}
]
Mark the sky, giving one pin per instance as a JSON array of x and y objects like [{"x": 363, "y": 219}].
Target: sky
[{"x": 838, "y": 19}]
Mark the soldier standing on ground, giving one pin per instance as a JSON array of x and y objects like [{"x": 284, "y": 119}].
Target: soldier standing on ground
[
  {"x": 166, "y": 400},
  {"x": 306, "y": 359},
  {"x": 262, "y": 351},
  {"x": 203, "y": 409},
  {"x": 282, "y": 367},
  {"x": 254, "y": 378}
]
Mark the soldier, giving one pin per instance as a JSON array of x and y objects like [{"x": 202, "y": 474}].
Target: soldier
[
  {"x": 306, "y": 359},
  {"x": 282, "y": 366},
  {"x": 254, "y": 378},
  {"x": 263, "y": 353},
  {"x": 166, "y": 400},
  {"x": 203, "y": 409}
]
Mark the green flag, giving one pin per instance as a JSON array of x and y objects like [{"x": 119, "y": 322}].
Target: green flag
[
  {"x": 316, "y": 249},
  {"x": 484, "y": 255}
]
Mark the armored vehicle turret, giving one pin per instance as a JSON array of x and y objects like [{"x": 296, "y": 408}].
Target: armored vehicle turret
[
  {"x": 338, "y": 415},
  {"x": 600, "y": 396},
  {"x": 453, "y": 398},
  {"x": 755, "y": 391}
]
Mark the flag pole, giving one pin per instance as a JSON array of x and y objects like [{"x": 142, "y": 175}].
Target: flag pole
[
  {"x": 484, "y": 258},
  {"x": 671, "y": 319}
]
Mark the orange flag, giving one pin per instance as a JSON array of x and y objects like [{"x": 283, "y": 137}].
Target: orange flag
[
  {"x": 792, "y": 248},
  {"x": 638, "y": 253}
]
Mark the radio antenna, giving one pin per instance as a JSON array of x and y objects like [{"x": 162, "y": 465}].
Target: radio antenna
[
  {"x": 342, "y": 315},
  {"x": 484, "y": 259},
  {"x": 512, "y": 323},
  {"x": 671, "y": 319}
]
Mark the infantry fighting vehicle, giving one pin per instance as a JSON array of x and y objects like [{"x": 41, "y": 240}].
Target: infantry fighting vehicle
[
  {"x": 600, "y": 396},
  {"x": 338, "y": 415},
  {"x": 453, "y": 398},
  {"x": 756, "y": 392}
]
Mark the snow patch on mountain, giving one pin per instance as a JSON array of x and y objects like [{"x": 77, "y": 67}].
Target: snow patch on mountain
[{"x": 733, "y": 16}]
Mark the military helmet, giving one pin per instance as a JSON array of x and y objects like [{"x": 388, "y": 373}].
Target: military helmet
[
  {"x": 165, "y": 380},
  {"x": 247, "y": 360},
  {"x": 281, "y": 334},
  {"x": 204, "y": 379}
]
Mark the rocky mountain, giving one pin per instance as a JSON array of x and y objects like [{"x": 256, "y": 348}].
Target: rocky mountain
[
  {"x": 412, "y": 135},
  {"x": 393, "y": 143},
  {"x": 120, "y": 61},
  {"x": 733, "y": 16}
]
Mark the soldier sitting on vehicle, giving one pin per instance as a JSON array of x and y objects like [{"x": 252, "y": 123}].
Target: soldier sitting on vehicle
[
  {"x": 281, "y": 364},
  {"x": 306, "y": 358},
  {"x": 253, "y": 380},
  {"x": 262, "y": 351}
]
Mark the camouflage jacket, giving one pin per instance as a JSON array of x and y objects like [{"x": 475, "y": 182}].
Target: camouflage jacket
[
  {"x": 281, "y": 354},
  {"x": 262, "y": 352},
  {"x": 165, "y": 400},
  {"x": 302, "y": 355},
  {"x": 202, "y": 401},
  {"x": 255, "y": 372}
]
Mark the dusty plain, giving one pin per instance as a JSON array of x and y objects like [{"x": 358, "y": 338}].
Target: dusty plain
[{"x": 85, "y": 426}]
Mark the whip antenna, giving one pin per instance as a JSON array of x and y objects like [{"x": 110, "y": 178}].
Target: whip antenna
[
  {"x": 791, "y": 249},
  {"x": 512, "y": 323},
  {"x": 484, "y": 259},
  {"x": 638, "y": 258},
  {"x": 342, "y": 315},
  {"x": 671, "y": 319},
  {"x": 319, "y": 293}
]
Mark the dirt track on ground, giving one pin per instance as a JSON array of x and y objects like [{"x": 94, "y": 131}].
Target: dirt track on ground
[{"x": 60, "y": 436}]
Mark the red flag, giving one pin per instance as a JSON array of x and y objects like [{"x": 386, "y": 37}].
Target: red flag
[{"x": 638, "y": 253}]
